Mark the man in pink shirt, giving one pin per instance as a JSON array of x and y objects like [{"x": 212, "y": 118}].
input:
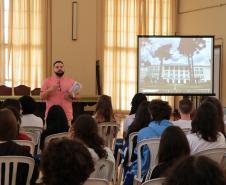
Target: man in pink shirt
[{"x": 56, "y": 90}]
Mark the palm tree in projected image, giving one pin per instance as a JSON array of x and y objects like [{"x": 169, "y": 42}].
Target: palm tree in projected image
[
  {"x": 163, "y": 53},
  {"x": 188, "y": 47}
]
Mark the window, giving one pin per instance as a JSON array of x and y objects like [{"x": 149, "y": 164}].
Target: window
[{"x": 22, "y": 42}]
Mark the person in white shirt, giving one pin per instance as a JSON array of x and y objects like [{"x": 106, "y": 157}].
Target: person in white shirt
[
  {"x": 28, "y": 108},
  {"x": 205, "y": 133},
  {"x": 137, "y": 99},
  {"x": 220, "y": 113},
  {"x": 86, "y": 130},
  {"x": 185, "y": 109}
]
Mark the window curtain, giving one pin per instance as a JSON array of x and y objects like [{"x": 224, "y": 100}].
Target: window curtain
[
  {"x": 123, "y": 21},
  {"x": 25, "y": 42}
]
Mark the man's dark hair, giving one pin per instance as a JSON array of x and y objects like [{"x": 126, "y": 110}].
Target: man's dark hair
[
  {"x": 185, "y": 106},
  {"x": 196, "y": 170},
  {"x": 160, "y": 110},
  {"x": 8, "y": 125},
  {"x": 66, "y": 161},
  {"x": 58, "y": 61},
  {"x": 28, "y": 104}
]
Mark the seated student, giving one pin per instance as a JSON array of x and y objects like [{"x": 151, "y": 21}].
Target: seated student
[
  {"x": 56, "y": 122},
  {"x": 137, "y": 99},
  {"x": 28, "y": 108},
  {"x": 104, "y": 110},
  {"x": 142, "y": 119},
  {"x": 66, "y": 161},
  {"x": 20, "y": 134},
  {"x": 220, "y": 113},
  {"x": 205, "y": 129},
  {"x": 173, "y": 147},
  {"x": 196, "y": 170},
  {"x": 15, "y": 107},
  {"x": 160, "y": 114},
  {"x": 104, "y": 113},
  {"x": 8, "y": 133},
  {"x": 185, "y": 109},
  {"x": 85, "y": 129}
]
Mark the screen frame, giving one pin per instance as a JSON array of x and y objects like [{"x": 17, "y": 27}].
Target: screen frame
[{"x": 175, "y": 36}]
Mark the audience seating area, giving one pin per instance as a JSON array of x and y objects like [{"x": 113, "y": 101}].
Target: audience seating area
[{"x": 103, "y": 174}]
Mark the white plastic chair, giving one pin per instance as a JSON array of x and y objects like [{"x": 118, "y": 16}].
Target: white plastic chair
[
  {"x": 33, "y": 136},
  {"x": 27, "y": 143},
  {"x": 216, "y": 154},
  {"x": 118, "y": 168},
  {"x": 108, "y": 131},
  {"x": 157, "y": 181},
  {"x": 186, "y": 131},
  {"x": 37, "y": 131},
  {"x": 153, "y": 145},
  {"x": 96, "y": 181},
  {"x": 11, "y": 163},
  {"x": 104, "y": 169},
  {"x": 130, "y": 147},
  {"x": 55, "y": 136}
]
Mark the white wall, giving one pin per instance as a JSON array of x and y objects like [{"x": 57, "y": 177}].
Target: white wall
[
  {"x": 79, "y": 56},
  {"x": 205, "y": 17}
]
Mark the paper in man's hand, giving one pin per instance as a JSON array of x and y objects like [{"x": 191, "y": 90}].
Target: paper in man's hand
[{"x": 75, "y": 88}]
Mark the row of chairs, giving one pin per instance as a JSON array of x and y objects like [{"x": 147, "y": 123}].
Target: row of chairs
[
  {"x": 19, "y": 91},
  {"x": 103, "y": 169},
  {"x": 10, "y": 163},
  {"x": 102, "y": 174},
  {"x": 107, "y": 130},
  {"x": 217, "y": 154}
]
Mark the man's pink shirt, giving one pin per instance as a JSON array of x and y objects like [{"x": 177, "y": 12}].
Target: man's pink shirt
[{"x": 57, "y": 97}]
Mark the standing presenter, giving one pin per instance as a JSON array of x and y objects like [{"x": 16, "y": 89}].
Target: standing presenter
[{"x": 59, "y": 90}]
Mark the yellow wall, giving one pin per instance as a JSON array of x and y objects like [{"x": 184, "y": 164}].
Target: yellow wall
[
  {"x": 79, "y": 56},
  {"x": 195, "y": 17},
  {"x": 205, "y": 17}
]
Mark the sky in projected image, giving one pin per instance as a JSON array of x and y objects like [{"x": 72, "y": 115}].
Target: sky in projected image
[
  {"x": 175, "y": 65},
  {"x": 152, "y": 45}
]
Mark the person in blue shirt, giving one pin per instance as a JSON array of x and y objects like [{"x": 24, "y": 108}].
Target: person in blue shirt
[{"x": 160, "y": 114}]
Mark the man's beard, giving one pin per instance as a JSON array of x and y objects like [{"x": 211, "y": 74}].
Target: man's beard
[{"x": 59, "y": 73}]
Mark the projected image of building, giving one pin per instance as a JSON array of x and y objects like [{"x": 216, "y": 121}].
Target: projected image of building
[{"x": 176, "y": 74}]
